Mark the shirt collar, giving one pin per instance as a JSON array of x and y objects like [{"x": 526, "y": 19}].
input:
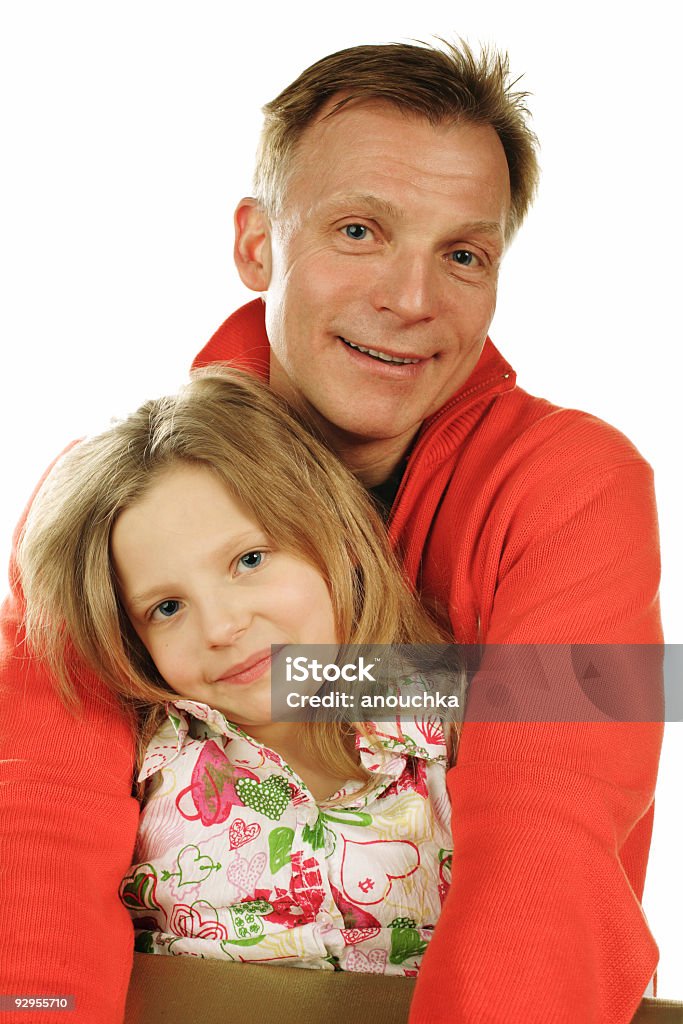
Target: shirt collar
[
  {"x": 422, "y": 738},
  {"x": 171, "y": 736},
  {"x": 382, "y": 751}
]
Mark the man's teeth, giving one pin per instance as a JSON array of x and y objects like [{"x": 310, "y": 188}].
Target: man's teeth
[{"x": 378, "y": 355}]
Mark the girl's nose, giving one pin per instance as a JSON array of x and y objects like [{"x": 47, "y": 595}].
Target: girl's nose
[{"x": 224, "y": 620}]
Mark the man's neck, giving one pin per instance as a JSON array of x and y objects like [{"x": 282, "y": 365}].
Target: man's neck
[{"x": 372, "y": 460}]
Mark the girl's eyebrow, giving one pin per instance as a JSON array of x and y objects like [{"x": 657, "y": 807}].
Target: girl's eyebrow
[
  {"x": 140, "y": 600},
  {"x": 228, "y": 549}
]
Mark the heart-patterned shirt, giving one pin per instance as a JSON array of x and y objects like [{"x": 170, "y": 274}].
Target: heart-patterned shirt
[{"x": 235, "y": 860}]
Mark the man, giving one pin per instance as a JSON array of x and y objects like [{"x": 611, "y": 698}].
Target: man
[{"x": 389, "y": 181}]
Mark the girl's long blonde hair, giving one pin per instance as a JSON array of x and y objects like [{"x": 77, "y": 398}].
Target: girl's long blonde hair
[{"x": 293, "y": 487}]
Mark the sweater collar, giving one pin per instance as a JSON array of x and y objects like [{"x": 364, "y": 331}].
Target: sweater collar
[{"x": 241, "y": 341}]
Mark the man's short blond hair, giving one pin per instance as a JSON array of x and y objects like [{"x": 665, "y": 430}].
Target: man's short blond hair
[{"x": 448, "y": 84}]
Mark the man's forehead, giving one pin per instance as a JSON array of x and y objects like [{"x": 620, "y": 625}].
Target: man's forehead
[
  {"x": 373, "y": 117},
  {"x": 353, "y": 155}
]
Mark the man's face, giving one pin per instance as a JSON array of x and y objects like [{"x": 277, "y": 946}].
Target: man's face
[{"x": 390, "y": 241}]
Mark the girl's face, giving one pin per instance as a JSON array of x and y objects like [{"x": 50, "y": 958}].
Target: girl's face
[{"x": 208, "y": 593}]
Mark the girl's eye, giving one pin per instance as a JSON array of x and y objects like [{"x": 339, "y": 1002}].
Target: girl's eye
[
  {"x": 167, "y": 609},
  {"x": 358, "y": 232},
  {"x": 252, "y": 560},
  {"x": 464, "y": 257}
]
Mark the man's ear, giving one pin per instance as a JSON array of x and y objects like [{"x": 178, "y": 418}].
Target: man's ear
[{"x": 252, "y": 245}]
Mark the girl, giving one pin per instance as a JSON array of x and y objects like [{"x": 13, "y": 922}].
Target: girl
[{"x": 176, "y": 555}]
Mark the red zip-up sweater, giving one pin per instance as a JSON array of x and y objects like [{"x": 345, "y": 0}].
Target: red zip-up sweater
[{"x": 531, "y": 525}]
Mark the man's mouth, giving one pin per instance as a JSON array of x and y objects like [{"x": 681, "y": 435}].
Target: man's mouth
[{"x": 384, "y": 357}]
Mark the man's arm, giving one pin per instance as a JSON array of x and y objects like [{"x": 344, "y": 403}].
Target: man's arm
[
  {"x": 551, "y": 820},
  {"x": 67, "y": 830}
]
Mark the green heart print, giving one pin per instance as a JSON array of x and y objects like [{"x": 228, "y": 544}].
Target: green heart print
[{"x": 269, "y": 797}]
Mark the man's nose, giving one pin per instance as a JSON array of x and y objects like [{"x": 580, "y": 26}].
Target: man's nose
[
  {"x": 408, "y": 287},
  {"x": 224, "y": 619}
]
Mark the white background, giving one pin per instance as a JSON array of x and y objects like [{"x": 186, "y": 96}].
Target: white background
[{"x": 128, "y": 133}]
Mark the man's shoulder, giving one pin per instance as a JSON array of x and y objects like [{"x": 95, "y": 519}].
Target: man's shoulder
[
  {"x": 542, "y": 429},
  {"x": 514, "y": 431},
  {"x": 495, "y": 422},
  {"x": 521, "y": 460}
]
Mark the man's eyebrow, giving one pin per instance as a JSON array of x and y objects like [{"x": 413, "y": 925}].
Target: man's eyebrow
[
  {"x": 481, "y": 227},
  {"x": 344, "y": 204}
]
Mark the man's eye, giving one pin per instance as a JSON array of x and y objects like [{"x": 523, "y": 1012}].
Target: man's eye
[
  {"x": 167, "y": 609},
  {"x": 464, "y": 257},
  {"x": 358, "y": 232},
  {"x": 252, "y": 560}
]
